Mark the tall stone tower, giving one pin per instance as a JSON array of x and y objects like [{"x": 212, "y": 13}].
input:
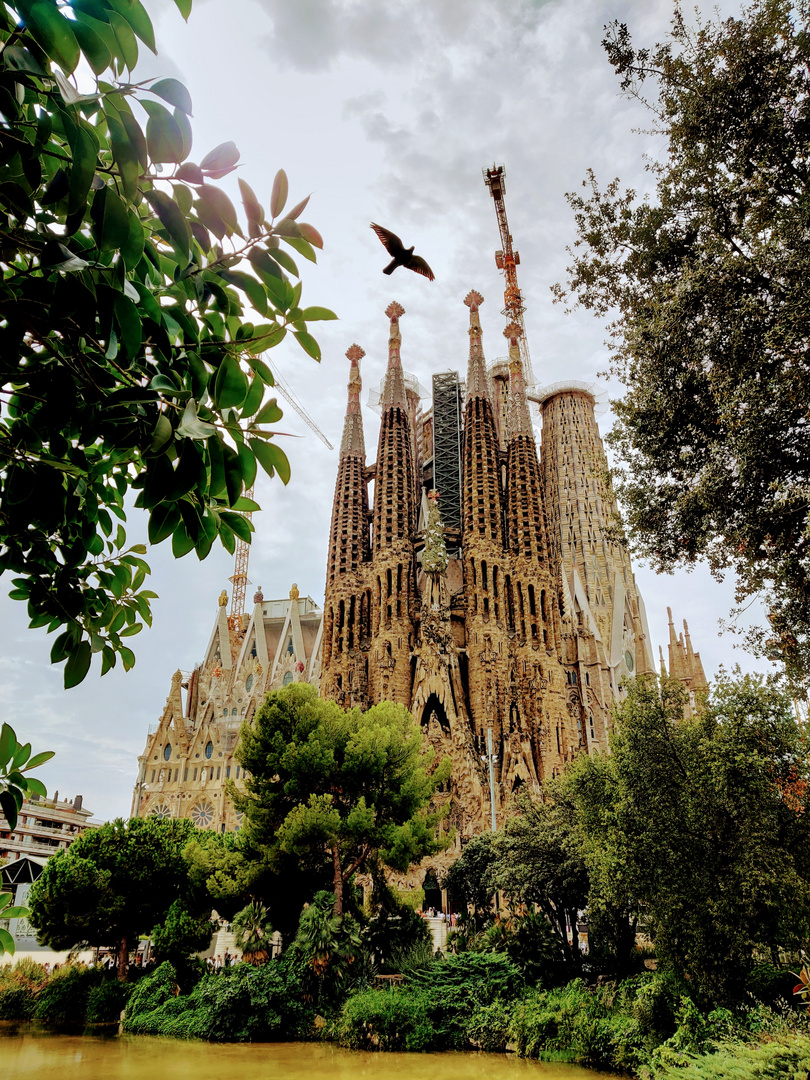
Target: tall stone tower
[{"x": 605, "y": 638}]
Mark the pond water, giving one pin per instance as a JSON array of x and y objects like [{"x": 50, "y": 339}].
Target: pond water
[{"x": 28, "y": 1053}]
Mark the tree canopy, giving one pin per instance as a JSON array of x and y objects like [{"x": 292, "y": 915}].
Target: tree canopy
[
  {"x": 707, "y": 280},
  {"x": 345, "y": 786},
  {"x": 117, "y": 882},
  {"x": 701, "y": 826},
  {"x": 136, "y": 306}
]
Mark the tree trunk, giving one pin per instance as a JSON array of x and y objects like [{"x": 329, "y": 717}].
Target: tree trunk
[
  {"x": 338, "y": 878},
  {"x": 123, "y": 957}
]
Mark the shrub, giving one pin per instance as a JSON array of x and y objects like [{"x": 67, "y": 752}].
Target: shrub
[
  {"x": 240, "y": 1004},
  {"x": 459, "y": 984},
  {"x": 781, "y": 1057},
  {"x": 391, "y": 1019},
  {"x": 488, "y": 1027},
  {"x": 106, "y": 1001},
  {"x": 63, "y": 999},
  {"x": 17, "y": 1000}
]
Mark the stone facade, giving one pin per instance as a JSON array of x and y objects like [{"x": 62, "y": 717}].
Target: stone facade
[
  {"x": 189, "y": 756},
  {"x": 520, "y": 629}
]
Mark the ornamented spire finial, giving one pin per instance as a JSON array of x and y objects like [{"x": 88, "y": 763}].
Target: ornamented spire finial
[
  {"x": 294, "y": 592},
  {"x": 473, "y": 300},
  {"x": 353, "y": 441},
  {"x": 477, "y": 381},
  {"x": 394, "y": 391},
  {"x": 258, "y": 597}
]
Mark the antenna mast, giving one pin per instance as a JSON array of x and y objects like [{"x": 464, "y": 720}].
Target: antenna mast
[{"x": 508, "y": 260}]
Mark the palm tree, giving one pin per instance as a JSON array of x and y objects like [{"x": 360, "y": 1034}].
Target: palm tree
[{"x": 253, "y": 933}]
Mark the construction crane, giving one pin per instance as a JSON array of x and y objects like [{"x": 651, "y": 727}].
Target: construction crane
[
  {"x": 287, "y": 393},
  {"x": 239, "y": 580},
  {"x": 508, "y": 260}
]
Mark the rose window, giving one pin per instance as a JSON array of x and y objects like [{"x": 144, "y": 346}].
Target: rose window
[
  {"x": 203, "y": 815},
  {"x": 160, "y": 810}
]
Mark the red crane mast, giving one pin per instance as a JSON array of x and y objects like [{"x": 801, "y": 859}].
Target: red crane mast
[{"x": 507, "y": 260}]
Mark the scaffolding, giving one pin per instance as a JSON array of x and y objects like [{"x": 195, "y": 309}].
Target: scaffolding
[{"x": 447, "y": 446}]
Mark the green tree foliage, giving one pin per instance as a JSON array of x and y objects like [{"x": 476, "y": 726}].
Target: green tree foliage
[
  {"x": 704, "y": 825},
  {"x": 469, "y": 882},
  {"x": 344, "y": 786},
  {"x": 326, "y": 951},
  {"x": 253, "y": 932},
  {"x": 538, "y": 859},
  {"x": 707, "y": 279},
  {"x": 117, "y": 882},
  {"x": 15, "y": 762},
  {"x": 181, "y": 933},
  {"x": 136, "y": 304}
]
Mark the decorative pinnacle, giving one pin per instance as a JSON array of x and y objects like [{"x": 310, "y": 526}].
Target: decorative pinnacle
[
  {"x": 353, "y": 442},
  {"x": 477, "y": 381},
  {"x": 394, "y": 391},
  {"x": 512, "y": 332}
]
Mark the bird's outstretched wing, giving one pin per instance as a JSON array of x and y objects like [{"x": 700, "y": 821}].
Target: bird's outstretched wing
[
  {"x": 419, "y": 266},
  {"x": 390, "y": 241}
]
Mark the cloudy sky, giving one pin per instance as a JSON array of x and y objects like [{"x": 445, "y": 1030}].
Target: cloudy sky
[{"x": 385, "y": 110}]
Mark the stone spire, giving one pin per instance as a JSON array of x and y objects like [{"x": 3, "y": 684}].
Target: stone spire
[
  {"x": 477, "y": 381},
  {"x": 353, "y": 441},
  {"x": 394, "y": 390},
  {"x": 434, "y": 556},
  {"x": 519, "y": 420},
  {"x": 663, "y": 665}
]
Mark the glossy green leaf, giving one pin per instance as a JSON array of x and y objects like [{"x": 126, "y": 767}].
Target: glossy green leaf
[
  {"x": 265, "y": 337},
  {"x": 85, "y": 155},
  {"x": 308, "y": 344},
  {"x": 8, "y": 744},
  {"x": 78, "y": 664},
  {"x": 163, "y": 520},
  {"x": 254, "y": 398},
  {"x": 217, "y": 201},
  {"x": 173, "y": 91},
  {"x": 132, "y": 247},
  {"x": 34, "y": 784},
  {"x": 93, "y": 46},
  {"x": 172, "y": 220},
  {"x": 164, "y": 139},
  {"x": 183, "y": 122},
  {"x": 283, "y": 259},
  {"x": 7, "y": 943},
  {"x": 233, "y": 474},
  {"x": 278, "y": 196},
  {"x": 247, "y": 463},
  {"x": 303, "y": 247},
  {"x": 35, "y": 762},
  {"x": 51, "y": 31},
  {"x": 313, "y": 314},
  {"x": 249, "y": 286},
  {"x": 191, "y": 427},
  {"x": 230, "y": 385},
  {"x": 237, "y": 524},
  {"x": 270, "y": 413},
  {"x": 135, "y": 14},
  {"x": 162, "y": 433},
  {"x": 110, "y": 220},
  {"x": 136, "y": 137},
  {"x": 190, "y": 173},
  {"x": 271, "y": 457},
  {"x": 184, "y": 7},
  {"x": 254, "y": 211},
  {"x": 125, "y": 156},
  {"x": 125, "y": 38}
]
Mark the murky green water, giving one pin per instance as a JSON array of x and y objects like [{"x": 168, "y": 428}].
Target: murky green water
[{"x": 28, "y": 1054}]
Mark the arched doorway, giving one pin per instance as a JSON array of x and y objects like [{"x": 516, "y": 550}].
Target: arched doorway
[
  {"x": 434, "y": 707},
  {"x": 433, "y": 894}
]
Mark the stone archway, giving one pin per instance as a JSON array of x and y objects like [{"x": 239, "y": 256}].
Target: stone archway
[{"x": 434, "y": 706}]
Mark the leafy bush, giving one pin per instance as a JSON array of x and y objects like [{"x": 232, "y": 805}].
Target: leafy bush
[
  {"x": 17, "y": 1000},
  {"x": 64, "y": 998},
  {"x": 392, "y": 935},
  {"x": 456, "y": 986},
  {"x": 488, "y": 1027},
  {"x": 106, "y": 1001},
  {"x": 239, "y": 1004},
  {"x": 391, "y": 1019},
  {"x": 781, "y": 1057}
]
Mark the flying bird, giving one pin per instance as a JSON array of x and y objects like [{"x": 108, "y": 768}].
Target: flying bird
[{"x": 402, "y": 256}]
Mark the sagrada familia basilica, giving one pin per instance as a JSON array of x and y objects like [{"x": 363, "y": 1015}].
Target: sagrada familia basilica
[{"x": 486, "y": 587}]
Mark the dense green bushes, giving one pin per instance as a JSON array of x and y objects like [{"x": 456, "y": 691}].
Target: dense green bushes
[
  {"x": 239, "y": 1004},
  {"x": 70, "y": 994}
]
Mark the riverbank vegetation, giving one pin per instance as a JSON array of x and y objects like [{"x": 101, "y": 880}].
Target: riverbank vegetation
[{"x": 685, "y": 850}]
